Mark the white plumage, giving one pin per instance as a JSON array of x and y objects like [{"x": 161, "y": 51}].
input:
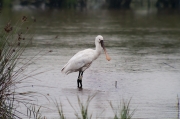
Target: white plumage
[
  {"x": 83, "y": 59},
  {"x": 80, "y": 61}
]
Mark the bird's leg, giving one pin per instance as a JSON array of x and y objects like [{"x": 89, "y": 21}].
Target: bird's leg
[
  {"x": 78, "y": 79},
  {"x": 81, "y": 79}
]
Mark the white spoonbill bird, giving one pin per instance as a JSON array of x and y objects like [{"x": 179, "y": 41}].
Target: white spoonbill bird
[{"x": 83, "y": 59}]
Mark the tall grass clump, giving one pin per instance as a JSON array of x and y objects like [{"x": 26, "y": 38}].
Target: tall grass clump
[
  {"x": 122, "y": 111},
  {"x": 34, "y": 113},
  {"x": 60, "y": 110},
  {"x": 13, "y": 41},
  {"x": 84, "y": 114}
]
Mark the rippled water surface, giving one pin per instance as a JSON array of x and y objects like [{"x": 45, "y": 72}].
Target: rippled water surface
[{"x": 144, "y": 48}]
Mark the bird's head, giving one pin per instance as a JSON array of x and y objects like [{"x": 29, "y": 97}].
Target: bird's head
[{"x": 99, "y": 39}]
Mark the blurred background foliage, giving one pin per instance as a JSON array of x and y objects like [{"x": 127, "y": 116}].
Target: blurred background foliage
[{"x": 88, "y": 4}]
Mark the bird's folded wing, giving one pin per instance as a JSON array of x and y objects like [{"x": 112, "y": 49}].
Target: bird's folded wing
[{"x": 78, "y": 61}]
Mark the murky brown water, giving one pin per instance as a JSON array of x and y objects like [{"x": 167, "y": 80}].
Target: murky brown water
[{"x": 144, "y": 48}]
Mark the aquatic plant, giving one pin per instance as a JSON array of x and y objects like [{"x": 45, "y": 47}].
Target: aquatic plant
[
  {"x": 13, "y": 42},
  {"x": 122, "y": 111},
  {"x": 83, "y": 107},
  {"x": 60, "y": 110},
  {"x": 34, "y": 112}
]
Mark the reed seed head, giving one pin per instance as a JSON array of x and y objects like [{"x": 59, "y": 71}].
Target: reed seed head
[
  {"x": 8, "y": 28},
  {"x": 24, "y": 18}
]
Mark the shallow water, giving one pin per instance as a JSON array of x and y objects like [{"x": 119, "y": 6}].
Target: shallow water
[{"x": 144, "y": 48}]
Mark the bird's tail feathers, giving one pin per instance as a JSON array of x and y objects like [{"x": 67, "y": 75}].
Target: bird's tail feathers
[{"x": 63, "y": 70}]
